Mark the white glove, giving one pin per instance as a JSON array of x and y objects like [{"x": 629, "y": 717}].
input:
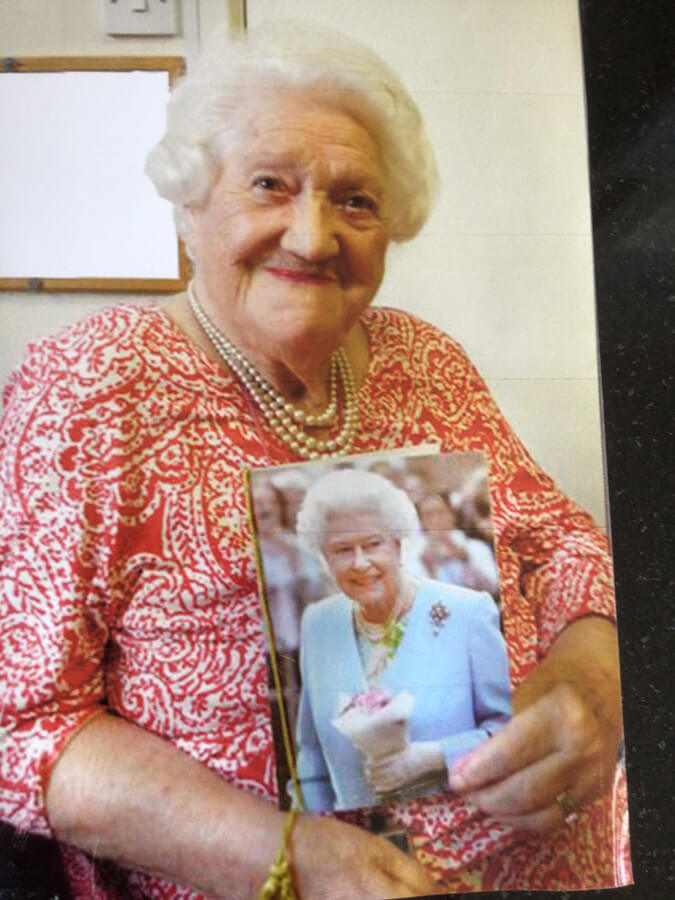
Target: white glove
[{"x": 388, "y": 773}]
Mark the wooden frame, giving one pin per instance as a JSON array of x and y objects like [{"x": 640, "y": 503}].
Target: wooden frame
[{"x": 175, "y": 67}]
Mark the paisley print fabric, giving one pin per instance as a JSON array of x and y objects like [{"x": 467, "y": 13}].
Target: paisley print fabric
[{"x": 128, "y": 579}]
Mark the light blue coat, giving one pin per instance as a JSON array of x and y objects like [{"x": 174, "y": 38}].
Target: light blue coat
[{"x": 459, "y": 678}]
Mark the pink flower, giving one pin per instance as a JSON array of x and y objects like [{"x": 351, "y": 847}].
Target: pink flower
[{"x": 370, "y": 701}]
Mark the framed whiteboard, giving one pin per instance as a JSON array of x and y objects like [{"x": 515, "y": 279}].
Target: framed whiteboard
[{"x": 79, "y": 214}]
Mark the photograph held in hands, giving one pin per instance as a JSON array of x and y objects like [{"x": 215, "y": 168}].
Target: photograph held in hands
[{"x": 398, "y": 667}]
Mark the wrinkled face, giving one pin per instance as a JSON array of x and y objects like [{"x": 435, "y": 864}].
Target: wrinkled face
[
  {"x": 364, "y": 560},
  {"x": 290, "y": 244}
]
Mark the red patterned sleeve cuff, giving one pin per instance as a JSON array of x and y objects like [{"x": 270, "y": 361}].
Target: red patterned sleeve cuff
[
  {"x": 570, "y": 589},
  {"x": 29, "y": 754}
]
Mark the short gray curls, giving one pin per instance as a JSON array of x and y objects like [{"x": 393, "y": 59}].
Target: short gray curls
[
  {"x": 353, "y": 491},
  {"x": 208, "y": 107}
]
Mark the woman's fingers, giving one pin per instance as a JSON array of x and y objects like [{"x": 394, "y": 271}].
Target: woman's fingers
[
  {"x": 554, "y": 747},
  {"x": 414, "y": 877},
  {"x": 541, "y": 820},
  {"x": 562, "y": 742},
  {"x": 526, "y": 791},
  {"x": 584, "y": 789},
  {"x": 522, "y": 742},
  {"x": 336, "y": 861},
  {"x": 577, "y": 769},
  {"x": 559, "y": 722},
  {"x": 419, "y": 882}
]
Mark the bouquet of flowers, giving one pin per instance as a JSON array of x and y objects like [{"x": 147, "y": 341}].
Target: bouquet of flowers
[{"x": 376, "y": 722}]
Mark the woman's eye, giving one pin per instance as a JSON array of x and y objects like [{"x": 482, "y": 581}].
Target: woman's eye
[
  {"x": 361, "y": 203},
  {"x": 268, "y": 183},
  {"x": 341, "y": 552}
]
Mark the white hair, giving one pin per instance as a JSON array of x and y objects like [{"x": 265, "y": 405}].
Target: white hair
[
  {"x": 210, "y": 106},
  {"x": 354, "y": 491}
]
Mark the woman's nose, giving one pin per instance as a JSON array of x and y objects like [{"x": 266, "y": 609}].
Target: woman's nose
[
  {"x": 361, "y": 560},
  {"x": 310, "y": 233}
]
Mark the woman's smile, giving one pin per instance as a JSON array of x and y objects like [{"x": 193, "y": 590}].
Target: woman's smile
[
  {"x": 300, "y": 276},
  {"x": 365, "y": 561}
]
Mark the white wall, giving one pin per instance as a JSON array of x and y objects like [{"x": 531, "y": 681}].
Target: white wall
[{"x": 505, "y": 263}]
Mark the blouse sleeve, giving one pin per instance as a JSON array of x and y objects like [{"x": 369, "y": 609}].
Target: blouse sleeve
[
  {"x": 52, "y": 624},
  {"x": 553, "y": 559}
]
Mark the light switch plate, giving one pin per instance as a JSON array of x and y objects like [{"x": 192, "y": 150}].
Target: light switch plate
[{"x": 148, "y": 17}]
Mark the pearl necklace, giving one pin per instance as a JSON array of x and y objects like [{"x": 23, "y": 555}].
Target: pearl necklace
[
  {"x": 375, "y": 633},
  {"x": 286, "y": 420},
  {"x": 383, "y": 640}
]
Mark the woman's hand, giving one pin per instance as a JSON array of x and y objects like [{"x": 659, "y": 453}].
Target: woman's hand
[
  {"x": 387, "y": 773},
  {"x": 563, "y": 739},
  {"x": 126, "y": 795},
  {"x": 336, "y": 861}
]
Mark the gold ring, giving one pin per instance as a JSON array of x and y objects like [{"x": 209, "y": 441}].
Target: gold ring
[{"x": 568, "y": 806}]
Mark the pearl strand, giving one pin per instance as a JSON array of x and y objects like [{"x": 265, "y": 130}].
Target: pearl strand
[{"x": 284, "y": 418}]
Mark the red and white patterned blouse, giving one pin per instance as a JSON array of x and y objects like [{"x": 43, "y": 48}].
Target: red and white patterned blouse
[{"x": 128, "y": 578}]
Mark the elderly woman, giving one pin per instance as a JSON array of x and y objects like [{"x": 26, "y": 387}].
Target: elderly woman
[
  {"x": 134, "y": 707},
  {"x": 385, "y": 630}
]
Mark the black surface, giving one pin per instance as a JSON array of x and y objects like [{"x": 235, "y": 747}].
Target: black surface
[
  {"x": 30, "y": 868},
  {"x": 629, "y": 50}
]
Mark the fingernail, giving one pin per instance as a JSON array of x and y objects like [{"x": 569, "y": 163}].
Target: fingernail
[
  {"x": 457, "y": 777},
  {"x": 460, "y": 765}
]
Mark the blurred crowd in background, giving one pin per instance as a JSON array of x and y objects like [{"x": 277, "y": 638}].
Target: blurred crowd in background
[{"x": 454, "y": 542}]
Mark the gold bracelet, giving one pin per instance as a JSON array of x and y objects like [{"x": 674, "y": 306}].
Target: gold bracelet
[{"x": 279, "y": 883}]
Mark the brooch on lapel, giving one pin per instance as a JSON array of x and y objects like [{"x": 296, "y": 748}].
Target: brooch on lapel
[{"x": 439, "y": 615}]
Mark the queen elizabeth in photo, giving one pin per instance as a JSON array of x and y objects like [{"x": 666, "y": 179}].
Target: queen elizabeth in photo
[{"x": 431, "y": 653}]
